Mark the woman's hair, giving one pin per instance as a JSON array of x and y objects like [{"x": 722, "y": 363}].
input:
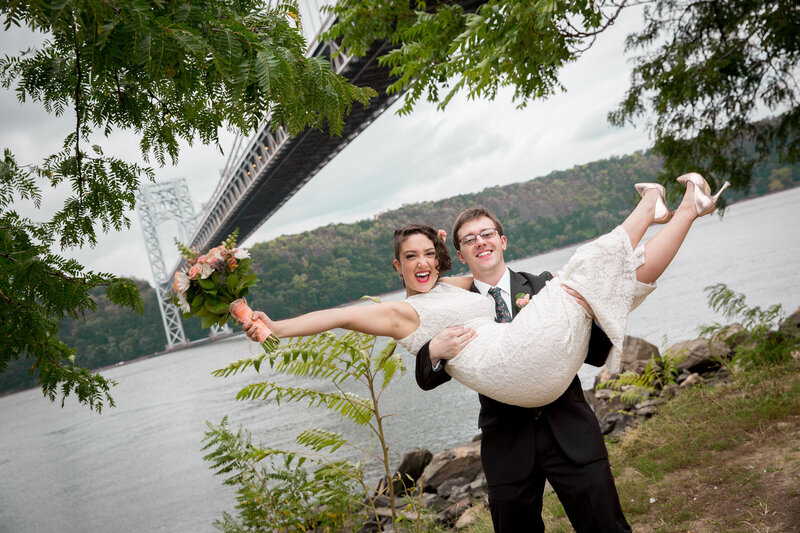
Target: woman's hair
[{"x": 442, "y": 253}]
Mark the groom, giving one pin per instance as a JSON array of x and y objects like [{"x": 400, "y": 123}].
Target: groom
[{"x": 522, "y": 447}]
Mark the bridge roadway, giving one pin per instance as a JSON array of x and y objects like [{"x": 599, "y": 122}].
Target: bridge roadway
[{"x": 274, "y": 165}]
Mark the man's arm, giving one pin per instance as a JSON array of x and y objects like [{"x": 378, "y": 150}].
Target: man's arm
[
  {"x": 599, "y": 347},
  {"x": 427, "y": 377}
]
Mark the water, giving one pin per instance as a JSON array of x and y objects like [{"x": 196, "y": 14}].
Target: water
[{"x": 138, "y": 467}]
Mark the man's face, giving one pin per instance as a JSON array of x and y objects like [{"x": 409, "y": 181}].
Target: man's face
[{"x": 484, "y": 256}]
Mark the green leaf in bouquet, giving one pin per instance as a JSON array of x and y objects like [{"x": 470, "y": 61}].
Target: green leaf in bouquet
[
  {"x": 207, "y": 284},
  {"x": 244, "y": 266},
  {"x": 247, "y": 281},
  {"x": 224, "y": 319},
  {"x": 216, "y": 307},
  {"x": 207, "y": 320},
  {"x": 232, "y": 281},
  {"x": 197, "y": 302}
]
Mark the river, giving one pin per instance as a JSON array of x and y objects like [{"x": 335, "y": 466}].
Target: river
[{"x": 139, "y": 467}]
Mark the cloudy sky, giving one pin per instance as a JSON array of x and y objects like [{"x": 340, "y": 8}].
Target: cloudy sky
[{"x": 397, "y": 160}]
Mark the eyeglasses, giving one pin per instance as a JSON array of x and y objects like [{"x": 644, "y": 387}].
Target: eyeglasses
[{"x": 486, "y": 234}]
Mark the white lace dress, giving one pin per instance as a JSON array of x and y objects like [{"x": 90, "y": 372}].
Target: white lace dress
[{"x": 531, "y": 361}]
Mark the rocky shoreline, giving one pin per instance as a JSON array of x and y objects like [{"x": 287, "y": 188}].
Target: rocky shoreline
[{"x": 452, "y": 482}]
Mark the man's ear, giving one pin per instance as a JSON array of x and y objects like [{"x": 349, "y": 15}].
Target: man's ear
[
  {"x": 460, "y": 257},
  {"x": 503, "y": 242},
  {"x": 396, "y": 265}
]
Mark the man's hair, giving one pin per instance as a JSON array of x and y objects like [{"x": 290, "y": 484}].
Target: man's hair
[
  {"x": 472, "y": 214},
  {"x": 444, "y": 262}
]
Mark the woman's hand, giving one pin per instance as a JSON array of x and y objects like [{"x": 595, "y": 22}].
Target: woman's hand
[
  {"x": 251, "y": 328},
  {"x": 449, "y": 342}
]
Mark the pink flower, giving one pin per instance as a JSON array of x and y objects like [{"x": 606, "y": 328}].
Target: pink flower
[
  {"x": 232, "y": 264},
  {"x": 203, "y": 259},
  {"x": 523, "y": 300},
  {"x": 194, "y": 272},
  {"x": 442, "y": 235}
]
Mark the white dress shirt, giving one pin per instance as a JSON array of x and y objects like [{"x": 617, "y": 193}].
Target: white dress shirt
[{"x": 505, "y": 290}]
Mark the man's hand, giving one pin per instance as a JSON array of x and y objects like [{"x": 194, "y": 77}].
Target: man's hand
[
  {"x": 449, "y": 342},
  {"x": 580, "y": 300}
]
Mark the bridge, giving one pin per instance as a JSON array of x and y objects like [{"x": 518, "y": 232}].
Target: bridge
[{"x": 264, "y": 173}]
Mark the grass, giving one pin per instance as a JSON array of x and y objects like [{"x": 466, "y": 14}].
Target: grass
[
  {"x": 721, "y": 458},
  {"x": 714, "y": 459}
]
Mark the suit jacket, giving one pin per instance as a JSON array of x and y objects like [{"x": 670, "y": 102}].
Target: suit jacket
[{"x": 507, "y": 450}]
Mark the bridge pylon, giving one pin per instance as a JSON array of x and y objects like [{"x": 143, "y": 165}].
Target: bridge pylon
[{"x": 157, "y": 203}]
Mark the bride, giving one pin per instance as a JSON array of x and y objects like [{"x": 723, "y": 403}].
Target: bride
[{"x": 514, "y": 362}]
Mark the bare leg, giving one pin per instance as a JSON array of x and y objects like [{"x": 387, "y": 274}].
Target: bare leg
[
  {"x": 641, "y": 217},
  {"x": 662, "y": 248}
]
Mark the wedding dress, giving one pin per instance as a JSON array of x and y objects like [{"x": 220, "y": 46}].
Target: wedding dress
[{"x": 531, "y": 361}]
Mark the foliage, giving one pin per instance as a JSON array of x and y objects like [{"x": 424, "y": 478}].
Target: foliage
[
  {"x": 275, "y": 492},
  {"x": 706, "y": 72},
  {"x": 168, "y": 71},
  {"x": 738, "y": 437},
  {"x": 336, "y": 363},
  {"x": 477, "y": 46},
  {"x": 660, "y": 372},
  {"x": 761, "y": 342}
]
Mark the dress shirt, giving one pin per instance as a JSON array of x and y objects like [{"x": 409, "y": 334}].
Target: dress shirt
[{"x": 505, "y": 290}]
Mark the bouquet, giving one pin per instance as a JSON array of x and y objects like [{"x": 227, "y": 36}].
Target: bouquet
[{"x": 212, "y": 286}]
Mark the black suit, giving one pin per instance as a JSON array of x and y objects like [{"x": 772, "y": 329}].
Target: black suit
[{"x": 561, "y": 442}]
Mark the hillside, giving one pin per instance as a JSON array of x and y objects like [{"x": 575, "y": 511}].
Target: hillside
[{"x": 339, "y": 263}]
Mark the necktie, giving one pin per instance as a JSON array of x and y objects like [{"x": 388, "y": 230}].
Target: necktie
[{"x": 500, "y": 308}]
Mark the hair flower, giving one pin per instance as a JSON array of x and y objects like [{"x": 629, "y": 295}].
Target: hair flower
[
  {"x": 442, "y": 235},
  {"x": 522, "y": 300}
]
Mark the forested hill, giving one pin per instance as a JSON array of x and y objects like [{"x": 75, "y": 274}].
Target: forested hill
[{"x": 340, "y": 263}]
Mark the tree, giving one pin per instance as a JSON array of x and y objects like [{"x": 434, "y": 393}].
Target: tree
[
  {"x": 707, "y": 70},
  {"x": 168, "y": 71}
]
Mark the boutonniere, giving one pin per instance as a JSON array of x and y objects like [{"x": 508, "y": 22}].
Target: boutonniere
[{"x": 522, "y": 300}]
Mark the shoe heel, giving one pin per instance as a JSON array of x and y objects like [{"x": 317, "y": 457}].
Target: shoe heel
[{"x": 706, "y": 204}]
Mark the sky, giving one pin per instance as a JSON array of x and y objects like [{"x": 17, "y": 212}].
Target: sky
[{"x": 427, "y": 155}]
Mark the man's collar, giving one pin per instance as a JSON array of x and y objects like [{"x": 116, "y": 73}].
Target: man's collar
[{"x": 504, "y": 284}]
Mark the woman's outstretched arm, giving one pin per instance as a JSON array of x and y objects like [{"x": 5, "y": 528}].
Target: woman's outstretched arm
[{"x": 389, "y": 319}]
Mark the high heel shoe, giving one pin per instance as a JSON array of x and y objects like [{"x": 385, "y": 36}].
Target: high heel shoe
[
  {"x": 704, "y": 203},
  {"x": 662, "y": 213}
]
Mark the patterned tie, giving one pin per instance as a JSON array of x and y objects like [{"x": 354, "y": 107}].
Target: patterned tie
[{"x": 500, "y": 307}]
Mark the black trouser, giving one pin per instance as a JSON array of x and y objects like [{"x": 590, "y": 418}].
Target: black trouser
[{"x": 586, "y": 491}]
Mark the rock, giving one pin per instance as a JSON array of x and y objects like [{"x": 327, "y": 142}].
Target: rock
[
  {"x": 431, "y": 500},
  {"x": 460, "y": 492},
  {"x": 453, "y": 512},
  {"x": 479, "y": 484},
  {"x": 411, "y": 467},
  {"x": 698, "y": 357},
  {"x": 603, "y": 376},
  {"x": 694, "y": 379},
  {"x": 461, "y": 461},
  {"x": 636, "y": 353},
  {"x": 468, "y": 518},
  {"x": 791, "y": 324},
  {"x": 446, "y": 488},
  {"x": 621, "y": 426},
  {"x": 604, "y": 394}
]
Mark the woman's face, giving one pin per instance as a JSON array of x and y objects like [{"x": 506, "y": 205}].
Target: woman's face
[{"x": 417, "y": 264}]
